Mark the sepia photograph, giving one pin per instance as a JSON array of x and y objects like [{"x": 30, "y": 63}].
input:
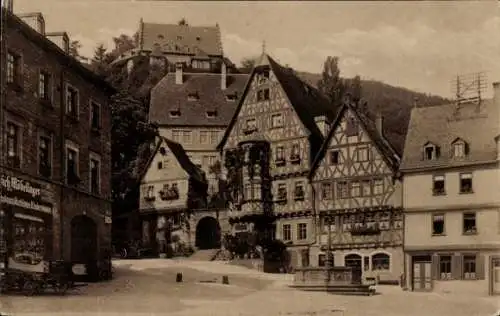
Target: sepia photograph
[{"x": 249, "y": 158}]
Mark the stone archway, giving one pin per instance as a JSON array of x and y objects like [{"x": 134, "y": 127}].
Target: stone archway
[
  {"x": 84, "y": 247},
  {"x": 208, "y": 233}
]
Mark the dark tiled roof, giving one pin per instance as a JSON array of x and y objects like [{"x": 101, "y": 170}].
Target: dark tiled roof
[
  {"x": 187, "y": 38},
  {"x": 306, "y": 100},
  {"x": 168, "y": 96},
  {"x": 441, "y": 125},
  {"x": 180, "y": 155},
  {"x": 383, "y": 142}
]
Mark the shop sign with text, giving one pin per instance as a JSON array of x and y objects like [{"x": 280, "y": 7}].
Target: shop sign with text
[{"x": 23, "y": 193}]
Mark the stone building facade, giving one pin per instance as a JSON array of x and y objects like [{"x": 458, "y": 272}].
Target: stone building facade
[{"x": 56, "y": 162}]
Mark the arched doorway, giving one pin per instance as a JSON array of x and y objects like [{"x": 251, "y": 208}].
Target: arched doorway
[
  {"x": 83, "y": 239},
  {"x": 354, "y": 261},
  {"x": 208, "y": 233}
]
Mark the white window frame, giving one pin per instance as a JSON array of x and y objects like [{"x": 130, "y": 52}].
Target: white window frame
[
  {"x": 360, "y": 157},
  {"x": 277, "y": 120},
  {"x": 50, "y": 88},
  {"x": 69, "y": 86},
  {"x": 214, "y": 137},
  {"x": 204, "y": 137},
  {"x": 299, "y": 236},
  {"x": 289, "y": 228},
  {"x": 187, "y": 136},
  {"x": 20, "y": 130},
  {"x": 96, "y": 157},
  {"x": 73, "y": 146},
  {"x": 177, "y": 135}
]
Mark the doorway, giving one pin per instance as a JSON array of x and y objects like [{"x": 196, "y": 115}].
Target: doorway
[
  {"x": 495, "y": 276},
  {"x": 208, "y": 234},
  {"x": 354, "y": 261},
  {"x": 421, "y": 273}
]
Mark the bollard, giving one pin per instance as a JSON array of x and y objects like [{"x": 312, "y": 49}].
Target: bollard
[
  {"x": 225, "y": 279},
  {"x": 178, "y": 278}
]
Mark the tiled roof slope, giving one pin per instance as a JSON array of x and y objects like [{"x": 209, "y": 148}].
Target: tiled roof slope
[
  {"x": 189, "y": 39},
  {"x": 441, "y": 125},
  {"x": 307, "y": 101},
  {"x": 384, "y": 142},
  {"x": 180, "y": 155},
  {"x": 168, "y": 96}
]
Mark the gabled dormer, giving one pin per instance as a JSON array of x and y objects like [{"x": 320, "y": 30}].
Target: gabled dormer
[
  {"x": 175, "y": 112},
  {"x": 459, "y": 148},
  {"x": 431, "y": 151}
]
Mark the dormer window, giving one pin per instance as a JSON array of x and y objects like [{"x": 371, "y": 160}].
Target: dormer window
[
  {"x": 431, "y": 152},
  {"x": 193, "y": 96},
  {"x": 460, "y": 148},
  {"x": 211, "y": 114},
  {"x": 175, "y": 113},
  {"x": 231, "y": 97}
]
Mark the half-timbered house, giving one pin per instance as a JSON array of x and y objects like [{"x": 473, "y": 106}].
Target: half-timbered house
[
  {"x": 452, "y": 199},
  {"x": 358, "y": 193},
  {"x": 171, "y": 186},
  {"x": 268, "y": 149}
]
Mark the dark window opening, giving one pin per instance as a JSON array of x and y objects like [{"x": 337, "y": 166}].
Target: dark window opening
[
  {"x": 94, "y": 176},
  {"x": 13, "y": 145},
  {"x": 44, "y": 161},
  {"x": 438, "y": 186},
  {"x": 469, "y": 267},
  {"x": 44, "y": 86},
  {"x": 95, "y": 116},
  {"x": 334, "y": 157},
  {"x": 445, "y": 267},
  {"x": 466, "y": 183},
  {"x": 438, "y": 224},
  {"x": 72, "y": 166},
  {"x": 71, "y": 102},
  {"x": 469, "y": 223}
]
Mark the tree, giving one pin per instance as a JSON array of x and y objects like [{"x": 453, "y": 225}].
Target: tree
[
  {"x": 74, "y": 48},
  {"x": 355, "y": 89},
  {"x": 247, "y": 64},
  {"x": 331, "y": 84},
  {"x": 183, "y": 22},
  {"x": 132, "y": 135},
  {"x": 123, "y": 43},
  {"x": 100, "y": 61}
]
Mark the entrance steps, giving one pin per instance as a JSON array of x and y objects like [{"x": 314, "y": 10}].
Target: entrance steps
[{"x": 204, "y": 254}]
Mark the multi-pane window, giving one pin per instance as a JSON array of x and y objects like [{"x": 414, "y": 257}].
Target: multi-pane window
[
  {"x": 44, "y": 86},
  {"x": 277, "y": 120},
  {"x": 72, "y": 100},
  {"x": 381, "y": 261},
  {"x": 438, "y": 224},
  {"x": 95, "y": 115},
  {"x": 362, "y": 154},
  {"x": 13, "y": 65},
  {"x": 295, "y": 154},
  {"x": 438, "y": 185},
  {"x": 342, "y": 190},
  {"x": 469, "y": 267},
  {"x": 280, "y": 154},
  {"x": 466, "y": 183},
  {"x": 334, "y": 157},
  {"x": 299, "y": 190},
  {"x": 326, "y": 191},
  {"x": 445, "y": 267},
  {"x": 13, "y": 145},
  {"x": 251, "y": 124},
  {"x": 355, "y": 189},
  {"x": 366, "y": 188},
  {"x": 203, "y": 137},
  {"x": 459, "y": 150},
  {"x": 214, "y": 137},
  {"x": 282, "y": 191},
  {"x": 72, "y": 166},
  {"x": 431, "y": 152},
  {"x": 287, "y": 232},
  {"x": 44, "y": 156},
  {"x": 378, "y": 186},
  {"x": 263, "y": 95},
  {"x": 301, "y": 231},
  {"x": 176, "y": 135},
  {"x": 94, "y": 175},
  {"x": 469, "y": 223},
  {"x": 186, "y": 137}
]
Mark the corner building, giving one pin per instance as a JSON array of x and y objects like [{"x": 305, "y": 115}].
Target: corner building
[
  {"x": 56, "y": 149},
  {"x": 452, "y": 198}
]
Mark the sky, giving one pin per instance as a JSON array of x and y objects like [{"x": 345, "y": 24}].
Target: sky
[{"x": 417, "y": 45}]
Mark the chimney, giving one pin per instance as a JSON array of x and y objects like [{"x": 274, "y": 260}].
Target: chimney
[
  {"x": 322, "y": 124},
  {"x": 8, "y": 5},
  {"x": 35, "y": 20},
  {"x": 223, "y": 79},
  {"x": 379, "y": 123},
  {"x": 178, "y": 73},
  {"x": 61, "y": 39}
]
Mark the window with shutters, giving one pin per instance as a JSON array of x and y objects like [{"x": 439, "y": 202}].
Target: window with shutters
[
  {"x": 438, "y": 224},
  {"x": 466, "y": 182},
  {"x": 469, "y": 267},
  {"x": 469, "y": 223},
  {"x": 438, "y": 185},
  {"x": 445, "y": 267}
]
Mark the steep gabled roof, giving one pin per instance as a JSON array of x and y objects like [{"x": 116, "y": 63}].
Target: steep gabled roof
[
  {"x": 381, "y": 141},
  {"x": 182, "y": 39},
  {"x": 307, "y": 101},
  {"x": 168, "y": 96},
  {"x": 477, "y": 125},
  {"x": 180, "y": 155}
]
